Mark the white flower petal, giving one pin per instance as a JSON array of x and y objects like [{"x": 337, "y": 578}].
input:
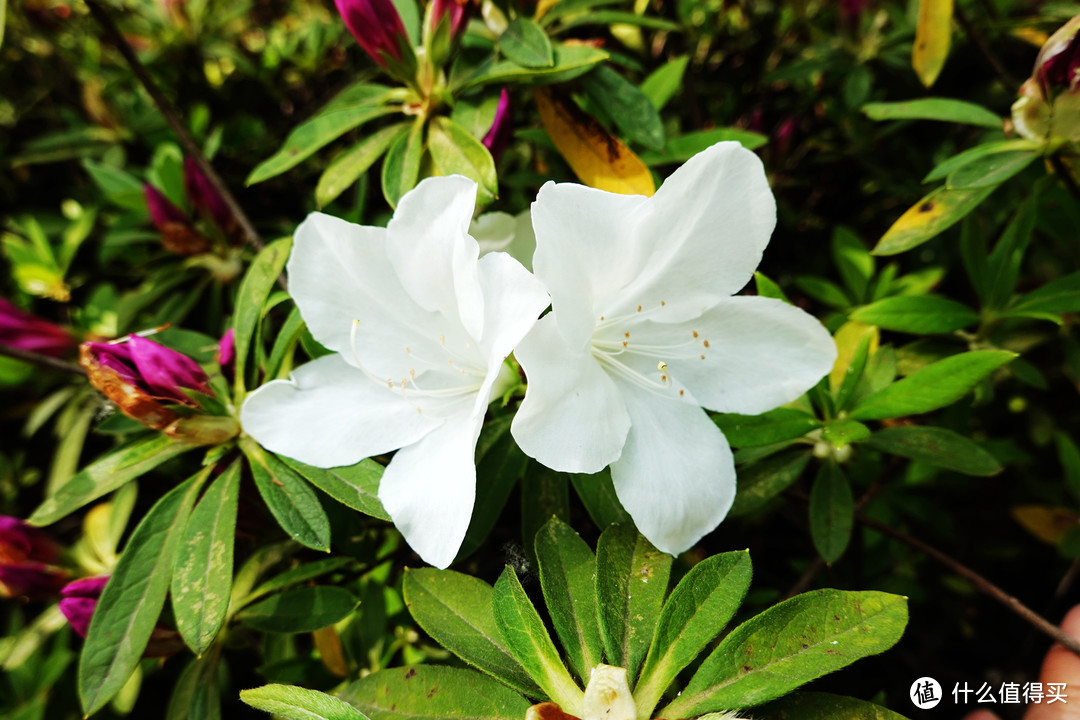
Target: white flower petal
[
  {"x": 572, "y": 418},
  {"x": 429, "y": 489},
  {"x": 759, "y": 353},
  {"x": 676, "y": 475},
  {"x": 432, "y": 251},
  {"x": 580, "y": 254},
  {"x": 330, "y": 414}
]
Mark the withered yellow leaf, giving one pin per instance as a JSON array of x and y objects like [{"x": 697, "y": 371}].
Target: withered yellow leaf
[
  {"x": 930, "y": 216},
  {"x": 847, "y": 339},
  {"x": 598, "y": 158},
  {"x": 1049, "y": 524},
  {"x": 328, "y": 643},
  {"x": 932, "y": 35}
]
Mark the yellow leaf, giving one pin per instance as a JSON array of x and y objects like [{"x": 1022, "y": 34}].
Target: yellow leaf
[
  {"x": 1031, "y": 36},
  {"x": 932, "y": 35},
  {"x": 930, "y": 216},
  {"x": 1046, "y": 523},
  {"x": 598, "y": 158},
  {"x": 847, "y": 340},
  {"x": 328, "y": 643}
]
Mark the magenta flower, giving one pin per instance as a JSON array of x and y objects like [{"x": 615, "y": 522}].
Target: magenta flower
[
  {"x": 226, "y": 354},
  {"x": 79, "y": 600},
  {"x": 377, "y": 26},
  {"x": 457, "y": 12},
  {"x": 204, "y": 196},
  {"x": 498, "y": 136},
  {"x": 26, "y": 561},
  {"x": 21, "y": 330}
]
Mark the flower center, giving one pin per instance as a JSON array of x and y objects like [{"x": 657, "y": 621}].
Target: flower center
[{"x": 627, "y": 346}]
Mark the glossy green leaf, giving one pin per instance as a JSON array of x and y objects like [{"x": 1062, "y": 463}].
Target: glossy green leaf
[
  {"x": 631, "y": 581},
  {"x": 355, "y": 486},
  {"x": 789, "y": 644},
  {"x": 289, "y": 498},
  {"x": 432, "y": 692},
  {"x": 300, "y": 574},
  {"x": 990, "y": 170},
  {"x": 824, "y": 706},
  {"x": 597, "y": 493},
  {"x": 570, "y": 62},
  {"x": 1057, "y": 296},
  {"x": 455, "y": 610},
  {"x": 128, "y": 610},
  {"x": 499, "y": 463},
  {"x": 767, "y": 288},
  {"x": 699, "y": 608},
  {"x": 297, "y": 703},
  {"x": 839, "y": 433},
  {"x": 1003, "y": 264},
  {"x": 665, "y": 82},
  {"x": 254, "y": 289},
  {"x": 682, "y": 148},
  {"x": 824, "y": 291},
  {"x": 528, "y": 641},
  {"x": 765, "y": 429},
  {"x": 309, "y": 137},
  {"x": 347, "y": 167},
  {"x": 761, "y": 482},
  {"x": 832, "y": 512},
  {"x": 856, "y": 365},
  {"x": 920, "y": 315},
  {"x": 937, "y": 385},
  {"x": 107, "y": 474},
  {"x": 936, "y": 446},
  {"x": 942, "y": 109},
  {"x": 456, "y": 152},
  {"x": 118, "y": 186},
  {"x": 629, "y": 108},
  {"x": 525, "y": 43},
  {"x": 197, "y": 692},
  {"x": 853, "y": 260},
  {"x": 203, "y": 571},
  {"x": 567, "y": 569},
  {"x": 301, "y": 610},
  {"x": 943, "y": 169},
  {"x": 929, "y": 217},
  {"x": 401, "y": 166}
]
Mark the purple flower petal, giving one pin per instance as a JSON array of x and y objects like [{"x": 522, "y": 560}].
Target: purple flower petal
[
  {"x": 498, "y": 136},
  {"x": 204, "y": 196},
  {"x": 19, "y": 329},
  {"x": 165, "y": 371},
  {"x": 376, "y": 25},
  {"x": 88, "y": 587},
  {"x": 78, "y": 611},
  {"x": 162, "y": 210}
]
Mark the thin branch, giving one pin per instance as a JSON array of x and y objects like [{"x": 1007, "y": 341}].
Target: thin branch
[
  {"x": 173, "y": 119},
  {"x": 980, "y": 43},
  {"x": 1038, "y": 621},
  {"x": 40, "y": 360}
]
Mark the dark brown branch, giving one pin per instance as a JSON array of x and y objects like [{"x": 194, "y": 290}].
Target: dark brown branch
[
  {"x": 40, "y": 360},
  {"x": 173, "y": 119},
  {"x": 989, "y": 588},
  {"x": 980, "y": 43}
]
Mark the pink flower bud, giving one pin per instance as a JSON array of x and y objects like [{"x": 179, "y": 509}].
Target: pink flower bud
[
  {"x": 163, "y": 212},
  {"x": 851, "y": 10},
  {"x": 498, "y": 136},
  {"x": 456, "y": 12},
  {"x": 26, "y": 557},
  {"x": 204, "y": 196},
  {"x": 177, "y": 233},
  {"x": 376, "y": 25},
  {"x": 226, "y": 355},
  {"x": 1057, "y": 63},
  {"x": 19, "y": 329}
]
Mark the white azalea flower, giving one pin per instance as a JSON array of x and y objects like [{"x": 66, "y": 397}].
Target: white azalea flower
[
  {"x": 644, "y": 332},
  {"x": 419, "y": 328}
]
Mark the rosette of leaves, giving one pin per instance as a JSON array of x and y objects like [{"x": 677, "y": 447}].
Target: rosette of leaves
[{"x": 614, "y": 607}]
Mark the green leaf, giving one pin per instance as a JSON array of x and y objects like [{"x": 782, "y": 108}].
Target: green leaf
[
  {"x": 570, "y": 62},
  {"x": 597, "y": 493},
  {"x": 699, "y": 607},
  {"x": 929, "y": 217},
  {"x": 853, "y": 260},
  {"x": 767, "y": 288},
  {"x": 347, "y": 167},
  {"x": 432, "y": 692},
  {"x": 682, "y": 148},
  {"x": 401, "y": 166},
  {"x": 629, "y": 108},
  {"x": 304, "y": 609},
  {"x": 202, "y": 574},
  {"x": 299, "y": 574},
  {"x": 118, "y": 186},
  {"x": 789, "y": 644},
  {"x": 525, "y": 43},
  {"x": 545, "y": 494},
  {"x": 942, "y": 109},
  {"x": 1003, "y": 264},
  {"x": 499, "y": 464},
  {"x": 765, "y": 429},
  {"x": 934, "y": 386},
  {"x": 355, "y": 486},
  {"x": 1069, "y": 457},
  {"x": 455, "y": 610},
  {"x": 853, "y": 373},
  {"x": 990, "y": 170},
  {"x": 456, "y": 152},
  {"x": 107, "y": 474},
  {"x": 824, "y": 706},
  {"x": 528, "y": 641},
  {"x": 567, "y": 569},
  {"x": 3, "y": 20},
  {"x": 664, "y": 82},
  {"x": 309, "y": 137},
  {"x": 761, "y": 482},
  {"x": 943, "y": 169},
  {"x": 832, "y": 512},
  {"x": 128, "y": 610},
  {"x": 290, "y": 499},
  {"x": 631, "y": 581},
  {"x": 254, "y": 289},
  {"x": 824, "y": 291},
  {"x": 936, "y": 446},
  {"x": 1058, "y": 296},
  {"x": 844, "y": 432},
  {"x": 197, "y": 692},
  {"x": 920, "y": 315},
  {"x": 297, "y": 703}
]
